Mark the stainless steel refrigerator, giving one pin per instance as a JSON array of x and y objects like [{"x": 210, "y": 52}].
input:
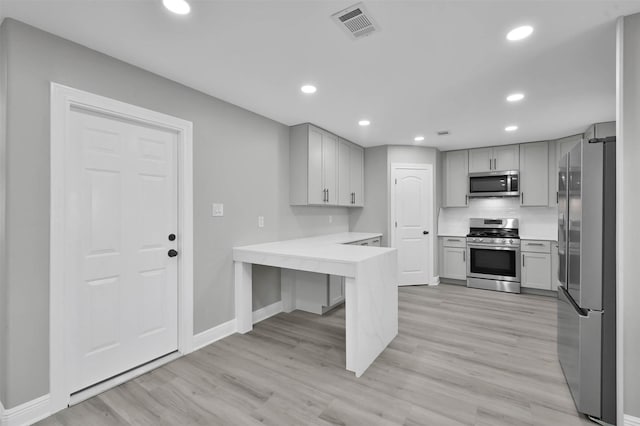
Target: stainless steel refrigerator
[{"x": 587, "y": 272}]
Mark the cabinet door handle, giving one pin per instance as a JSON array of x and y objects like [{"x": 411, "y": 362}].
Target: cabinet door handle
[
  {"x": 557, "y": 196},
  {"x": 490, "y": 166},
  {"x": 523, "y": 261},
  {"x": 466, "y": 200},
  {"x": 464, "y": 256},
  {"x": 495, "y": 164},
  {"x": 453, "y": 239},
  {"x": 327, "y": 195},
  {"x": 534, "y": 244},
  {"x": 521, "y": 197}
]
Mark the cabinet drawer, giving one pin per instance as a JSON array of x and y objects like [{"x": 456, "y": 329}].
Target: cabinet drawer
[
  {"x": 536, "y": 246},
  {"x": 454, "y": 241}
]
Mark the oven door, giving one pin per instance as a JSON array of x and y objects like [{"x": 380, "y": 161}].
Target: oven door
[{"x": 493, "y": 262}]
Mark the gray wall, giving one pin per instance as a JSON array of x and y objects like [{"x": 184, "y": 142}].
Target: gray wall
[
  {"x": 373, "y": 217},
  {"x": 377, "y": 163},
  {"x": 240, "y": 159},
  {"x": 3, "y": 268},
  {"x": 628, "y": 225}
]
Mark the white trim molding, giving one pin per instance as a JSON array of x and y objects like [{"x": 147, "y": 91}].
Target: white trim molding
[
  {"x": 63, "y": 99},
  {"x": 435, "y": 280},
  {"x": 214, "y": 334},
  {"x": 27, "y": 413},
  {"x": 631, "y": 420},
  {"x": 267, "y": 312},
  {"x": 228, "y": 328}
]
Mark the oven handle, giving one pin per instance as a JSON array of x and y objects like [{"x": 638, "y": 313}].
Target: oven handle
[{"x": 484, "y": 246}]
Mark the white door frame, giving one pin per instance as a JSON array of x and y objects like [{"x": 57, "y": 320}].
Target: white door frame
[
  {"x": 433, "y": 280},
  {"x": 63, "y": 98}
]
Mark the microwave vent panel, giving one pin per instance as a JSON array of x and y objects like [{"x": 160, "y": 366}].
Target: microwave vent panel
[{"x": 356, "y": 21}]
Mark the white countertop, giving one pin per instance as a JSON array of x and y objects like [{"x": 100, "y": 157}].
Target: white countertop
[{"x": 332, "y": 247}]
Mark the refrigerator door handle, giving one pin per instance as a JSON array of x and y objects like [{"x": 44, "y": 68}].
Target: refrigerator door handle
[{"x": 580, "y": 311}]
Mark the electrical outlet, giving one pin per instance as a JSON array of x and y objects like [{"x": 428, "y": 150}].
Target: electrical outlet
[
  {"x": 260, "y": 221},
  {"x": 217, "y": 209}
]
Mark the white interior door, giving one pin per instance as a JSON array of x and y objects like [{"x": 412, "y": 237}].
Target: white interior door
[
  {"x": 121, "y": 284},
  {"x": 412, "y": 221}
]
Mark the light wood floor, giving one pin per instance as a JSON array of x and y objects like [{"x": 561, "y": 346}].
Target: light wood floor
[{"x": 462, "y": 357}]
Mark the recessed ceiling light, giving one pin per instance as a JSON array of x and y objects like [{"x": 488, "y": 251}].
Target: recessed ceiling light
[
  {"x": 511, "y": 128},
  {"x": 308, "y": 88},
  {"x": 418, "y": 138},
  {"x": 520, "y": 33},
  {"x": 364, "y": 122},
  {"x": 515, "y": 97},
  {"x": 179, "y": 7}
]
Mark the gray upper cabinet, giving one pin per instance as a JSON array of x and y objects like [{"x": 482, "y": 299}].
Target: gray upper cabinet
[
  {"x": 506, "y": 157},
  {"x": 313, "y": 166},
  {"x": 455, "y": 173},
  {"x": 480, "y": 160},
  {"x": 350, "y": 174},
  {"x": 324, "y": 170},
  {"x": 534, "y": 174}
]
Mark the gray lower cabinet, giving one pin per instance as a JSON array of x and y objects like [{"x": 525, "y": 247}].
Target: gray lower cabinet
[
  {"x": 453, "y": 258},
  {"x": 318, "y": 293},
  {"x": 455, "y": 173},
  {"x": 535, "y": 264}
]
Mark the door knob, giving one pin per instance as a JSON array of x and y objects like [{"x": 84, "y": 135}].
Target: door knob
[
  {"x": 172, "y": 253},
  {"x": 172, "y": 237},
  {"x": 425, "y": 232}
]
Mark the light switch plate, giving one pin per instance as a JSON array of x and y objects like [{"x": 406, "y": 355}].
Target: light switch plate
[
  {"x": 217, "y": 209},
  {"x": 260, "y": 221}
]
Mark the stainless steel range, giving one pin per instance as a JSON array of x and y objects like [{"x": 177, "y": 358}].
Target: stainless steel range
[{"x": 493, "y": 255}]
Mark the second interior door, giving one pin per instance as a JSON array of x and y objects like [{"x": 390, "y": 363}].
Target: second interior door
[{"x": 412, "y": 207}]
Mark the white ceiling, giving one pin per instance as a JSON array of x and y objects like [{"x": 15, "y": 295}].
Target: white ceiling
[{"x": 435, "y": 65}]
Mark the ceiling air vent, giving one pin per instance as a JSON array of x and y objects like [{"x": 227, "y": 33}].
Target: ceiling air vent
[{"x": 356, "y": 21}]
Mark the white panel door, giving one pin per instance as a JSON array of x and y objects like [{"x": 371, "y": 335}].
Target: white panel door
[
  {"x": 412, "y": 221},
  {"x": 122, "y": 286}
]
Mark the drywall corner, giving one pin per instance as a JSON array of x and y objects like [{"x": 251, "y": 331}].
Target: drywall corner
[
  {"x": 373, "y": 217},
  {"x": 3, "y": 180}
]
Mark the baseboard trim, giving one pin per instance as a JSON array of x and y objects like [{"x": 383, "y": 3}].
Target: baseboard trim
[
  {"x": 27, "y": 413},
  {"x": 214, "y": 334},
  {"x": 267, "y": 312},
  {"x": 631, "y": 420},
  {"x": 225, "y": 329}
]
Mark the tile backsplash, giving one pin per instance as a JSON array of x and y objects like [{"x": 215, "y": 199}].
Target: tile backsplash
[{"x": 535, "y": 222}]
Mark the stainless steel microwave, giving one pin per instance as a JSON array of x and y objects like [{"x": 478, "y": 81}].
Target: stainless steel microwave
[{"x": 494, "y": 184}]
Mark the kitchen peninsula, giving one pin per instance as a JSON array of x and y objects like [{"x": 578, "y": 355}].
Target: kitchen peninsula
[{"x": 371, "y": 292}]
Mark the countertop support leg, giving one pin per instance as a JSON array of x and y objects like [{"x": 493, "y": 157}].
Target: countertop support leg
[{"x": 243, "y": 294}]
